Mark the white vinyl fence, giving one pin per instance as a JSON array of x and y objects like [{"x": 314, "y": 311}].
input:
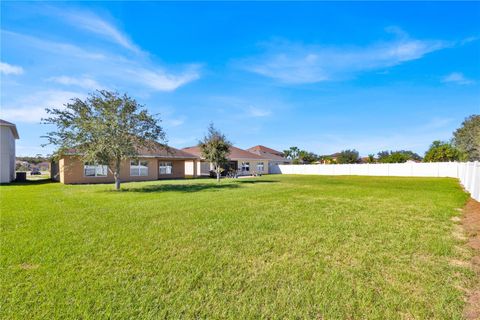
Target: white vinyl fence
[{"x": 467, "y": 172}]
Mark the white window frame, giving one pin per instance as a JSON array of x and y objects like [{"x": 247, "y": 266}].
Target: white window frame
[
  {"x": 101, "y": 170},
  {"x": 246, "y": 166},
  {"x": 260, "y": 166},
  {"x": 167, "y": 166},
  {"x": 138, "y": 168}
]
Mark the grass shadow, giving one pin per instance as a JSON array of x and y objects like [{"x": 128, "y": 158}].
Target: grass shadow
[
  {"x": 254, "y": 181},
  {"x": 28, "y": 182},
  {"x": 194, "y": 187},
  {"x": 182, "y": 187}
]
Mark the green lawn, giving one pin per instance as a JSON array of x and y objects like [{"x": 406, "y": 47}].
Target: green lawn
[{"x": 271, "y": 247}]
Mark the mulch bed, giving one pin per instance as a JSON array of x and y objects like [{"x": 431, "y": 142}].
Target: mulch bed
[{"x": 471, "y": 224}]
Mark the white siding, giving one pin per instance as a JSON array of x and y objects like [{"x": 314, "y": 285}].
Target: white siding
[{"x": 7, "y": 155}]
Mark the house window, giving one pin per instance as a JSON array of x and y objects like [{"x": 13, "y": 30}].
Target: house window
[
  {"x": 260, "y": 167},
  {"x": 138, "y": 168},
  {"x": 245, "y": 166},
  {"x": 165, "y": 167},
  {"x": 95, "y": 170}
]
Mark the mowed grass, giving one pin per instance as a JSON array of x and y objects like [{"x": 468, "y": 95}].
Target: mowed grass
[{"x": 272, "y": 247}]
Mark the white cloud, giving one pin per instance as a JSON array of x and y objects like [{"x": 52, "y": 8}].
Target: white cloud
[
  {"x": 82, "y": 82},
  {"x": 95, "y": 24},
  {"x": 297, "y": 63},
  {"x": 163, "y": 81},
  {"x": 176, "y": 122},
  {"x": 6, "y": 68},
  {"x": 110, "y": 68},
  {"x": 258, "y": 112},
  {"x": 54, "y": 47},
  {"x": 457, "y": 78},
  {"x": 31, "y": 108}
]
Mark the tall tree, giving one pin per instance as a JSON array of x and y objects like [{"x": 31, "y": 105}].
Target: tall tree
[
  {"x": 307, "y": 157},
  {"x": 348, "y": 156},
  {"x": 467, "y": 138},
  {"x": 105, "y": 128},
  {"x": 440, "y": 151},
  {"x": 292, "y": 153},
  {"x": 399, "y": 156},
  {"x": 215, "y": 148}
]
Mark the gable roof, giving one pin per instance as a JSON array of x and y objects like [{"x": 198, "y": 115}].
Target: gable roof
[
  {"x": 12, "y": 126},
  {"x": 235, "y": 153},
  {"x": 264, "y": 149},
  {"x": 160, "y": 151}
]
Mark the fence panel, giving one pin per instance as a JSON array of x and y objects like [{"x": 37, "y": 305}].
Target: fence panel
[{"x": 467, "y": 172}]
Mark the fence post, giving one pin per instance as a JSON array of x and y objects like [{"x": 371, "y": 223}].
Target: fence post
[{"x": 474, "y": 182}]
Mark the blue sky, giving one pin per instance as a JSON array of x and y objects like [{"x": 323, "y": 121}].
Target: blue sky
[{"x": 320, "y": 76}]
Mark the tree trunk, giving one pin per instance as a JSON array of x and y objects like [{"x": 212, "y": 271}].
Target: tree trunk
[
  {"x": 218, "y": 175},
  {"x": 117, "y": 181},
  {"x": 116, "y": 175}
]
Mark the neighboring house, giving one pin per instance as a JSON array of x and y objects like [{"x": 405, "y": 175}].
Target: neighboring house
[
  {"x": 329, "y": 159},
  {"x": 157, "y": 164},
  {"x": 275, "y": 157},
  {"x": 21, "y": 165},
  {"x": 43, "y": 166},
  {"x": 241, "y": 161},
  {"x": 8, "y": 135}
]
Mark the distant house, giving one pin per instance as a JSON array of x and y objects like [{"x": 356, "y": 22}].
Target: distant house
[
  {"x": 275, "y": 157},
  {"x": 329, "y": 159},
  {"x": 161, "y": 163},
  {"x": 8, "y": 135},
  {"x": 241, "y": 161},
  {"x": 43, "y": 166}
]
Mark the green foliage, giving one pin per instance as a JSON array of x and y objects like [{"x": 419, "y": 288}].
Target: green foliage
[
  {"x": 348, "y": 156},
  {"x": 106, "y": 128},
  {"x": 307, "y": 157},
  {"x": 292, "y": 153},
  {"x": 371, "y": 158},
  {"x": 467, "y": 138},
  {"x": 34, "y": 160},
  {"x": 215, "y": 149},
  {"x": 440, "y": 151},
  {"x": 399, "y": 156},
  {"x": 290, "y": 247},
  {"x": 300, "y": 156}
]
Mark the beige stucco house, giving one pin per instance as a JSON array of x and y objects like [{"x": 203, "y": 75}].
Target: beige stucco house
[
  {"x": 161, "y": 163},
  {"x": 275, "y": 157},
  {"x": 241, "y": 161}
]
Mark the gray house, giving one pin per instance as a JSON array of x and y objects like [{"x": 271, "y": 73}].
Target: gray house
[{"x": 8, "y": 135}]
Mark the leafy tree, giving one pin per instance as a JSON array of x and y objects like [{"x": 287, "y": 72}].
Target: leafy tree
[
  {"x": 348, "y": 156},
  {"x": 399, "y": 156},
  {"x": 215, "y": 148},
  {"x": 467, "y": 138},
  {"x": 307, "y": 157},
  {"x": 371, "y": 158},
  {"x": 440, "y": 151},
  {"x": 292, "y": 153},
  {"x": 105, "y": 128}
]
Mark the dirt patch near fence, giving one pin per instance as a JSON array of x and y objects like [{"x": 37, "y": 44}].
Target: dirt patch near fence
[{"x": 471, "y": 224}]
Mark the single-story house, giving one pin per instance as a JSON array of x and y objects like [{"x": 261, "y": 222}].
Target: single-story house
[
  {"x": 8, "y": 135},
  {"x": 160, "y": 163},
  {"x": 240, "y": 161},
  {"x": 43, "y": 166},
  {"x": 275, "y": 157}
]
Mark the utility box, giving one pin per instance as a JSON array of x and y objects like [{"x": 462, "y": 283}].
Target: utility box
[{"x": 21, "y": 177}]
